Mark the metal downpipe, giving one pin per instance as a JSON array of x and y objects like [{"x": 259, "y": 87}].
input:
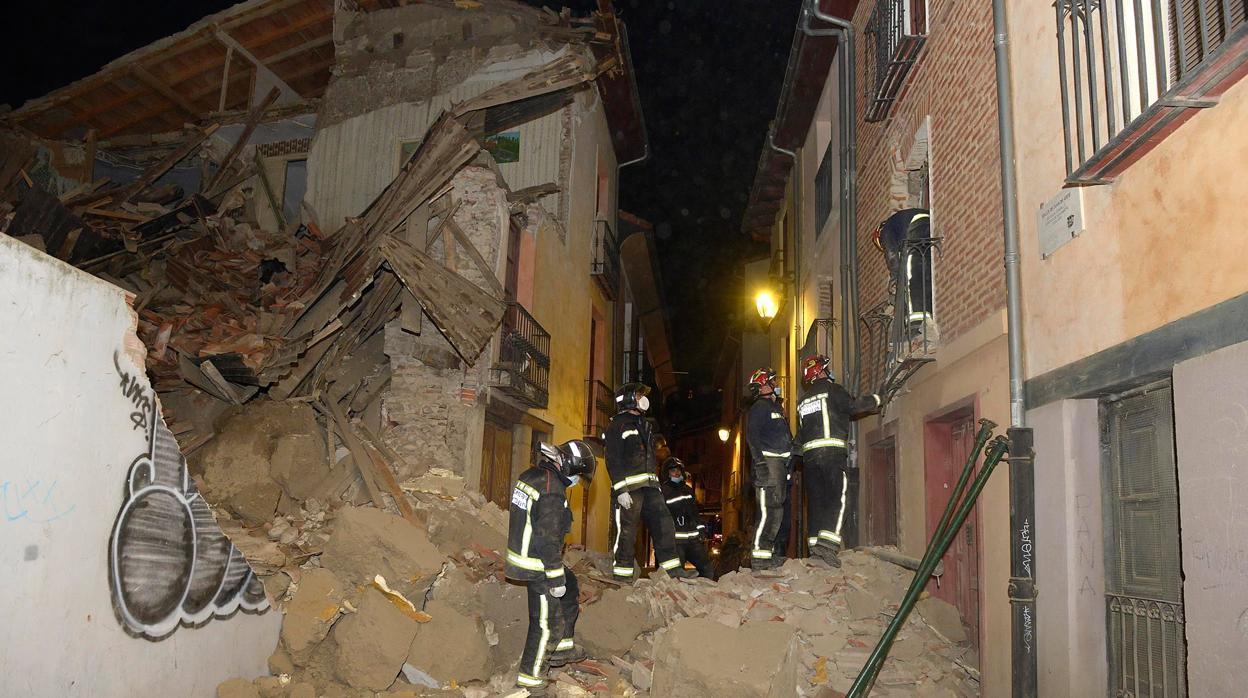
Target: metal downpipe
[{"x": 1022, "y": 587}]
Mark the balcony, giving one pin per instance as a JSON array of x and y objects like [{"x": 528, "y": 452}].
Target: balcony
[
  {"x": 598, "y": 408},
  {"x": 896, "y": 33},
  {"x": 605, "y": 266},
  {"x": 522, "y": 371}
]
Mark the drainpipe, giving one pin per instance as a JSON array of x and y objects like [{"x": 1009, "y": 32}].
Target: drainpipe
[{"x": 1022, "y": 587}]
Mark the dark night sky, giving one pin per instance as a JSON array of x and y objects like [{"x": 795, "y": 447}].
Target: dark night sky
[{"x": 709, "y": 72}]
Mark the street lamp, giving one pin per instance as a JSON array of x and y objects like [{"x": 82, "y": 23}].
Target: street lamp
[
  {"x": 724, "y": 433},
  {"x": 766, "y": 304}
]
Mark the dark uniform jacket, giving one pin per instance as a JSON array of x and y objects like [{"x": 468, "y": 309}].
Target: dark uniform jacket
[
  {"x": 630, "y": 453},
  {"x": 824, "y": 414},
  {"x": 540, "y": 520},
  {"x": 684, "y": 509},
  {"x": 767, "y": 431},
  {"x": 907, "y": 224}
]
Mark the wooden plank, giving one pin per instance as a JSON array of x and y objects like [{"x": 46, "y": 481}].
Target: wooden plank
[
  {"x": 475, "y": 255},
  {"x": 570, "y": 70},
  {"x": 467, "y": 315},
  {"x": 268, "y": 191},
  {"x": 359, "y": 453},
  {"x": 228, "y": 40},
  {"x": 253, "y": 120},
  {"x": 155, "y": 171},
  {"x": 147, "y": 78},
  {"x": 411, "y": 315}
]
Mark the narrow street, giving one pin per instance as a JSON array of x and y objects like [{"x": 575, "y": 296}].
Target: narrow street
[{"x": 624, "y": 348}]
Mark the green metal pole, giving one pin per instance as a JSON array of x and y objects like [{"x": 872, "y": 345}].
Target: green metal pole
[
  {"x": 985, "y": 432},
  {"x": 866, "y": 678}
]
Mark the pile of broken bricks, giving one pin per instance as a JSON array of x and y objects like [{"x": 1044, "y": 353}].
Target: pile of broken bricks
[{"x": 377, "y": 603}]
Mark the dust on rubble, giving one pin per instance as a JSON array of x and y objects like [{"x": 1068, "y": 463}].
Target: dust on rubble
[{"x": 381, "y": 603}]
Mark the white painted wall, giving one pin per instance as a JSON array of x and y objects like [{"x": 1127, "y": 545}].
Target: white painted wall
[
  {"x": 1070, "y": 550},
  {"x": 70, "y": 438},
  {"x": 1211, "y": 440}
]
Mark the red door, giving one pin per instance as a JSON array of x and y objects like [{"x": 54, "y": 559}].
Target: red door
[{"x": 949, "y": 441}]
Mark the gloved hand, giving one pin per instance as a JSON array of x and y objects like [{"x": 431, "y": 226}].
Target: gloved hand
[
  {"x": 625, "y": 499},
  {"x": 558, "y": 592}
]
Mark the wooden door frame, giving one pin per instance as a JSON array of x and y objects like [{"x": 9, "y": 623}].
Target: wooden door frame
[{"x": 880, "y": 435}]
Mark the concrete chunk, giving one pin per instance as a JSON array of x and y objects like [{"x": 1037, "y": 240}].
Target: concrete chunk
[
  {"x": 451, "y": 647},
  {"x": 311, "y": 612},
  {"x": 943, "y": 617},
  {"x": 610, "y": 625},
  {"x": 367, "y": 542},
  {"x": 698, "y": 657},
  {"x": 371, "y": 645}
]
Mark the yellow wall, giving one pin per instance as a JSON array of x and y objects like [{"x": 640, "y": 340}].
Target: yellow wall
[
  {"x": 1163, "y": 241},
  {"x": 562, "y": 286}
]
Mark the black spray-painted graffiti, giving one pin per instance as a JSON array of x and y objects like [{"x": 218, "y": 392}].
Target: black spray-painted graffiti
[{"x": 169, "y": 563}]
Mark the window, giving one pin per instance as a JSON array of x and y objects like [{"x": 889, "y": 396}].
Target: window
[
  {"x": 1143, "y": 576},
  {"x": 1132, "y": 71},
  {"x": 823, "y": 190},
  {"x": 896, "y": 33},
  {"x": 294, "y": 189}
]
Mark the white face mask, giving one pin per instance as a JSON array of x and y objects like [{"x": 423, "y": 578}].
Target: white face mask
[
  {"x": 677, "y": 479},
  {"x": 573, "y": 480},
  {"x": 643, "y": 403},
  {"x": 776, "y": 391}
]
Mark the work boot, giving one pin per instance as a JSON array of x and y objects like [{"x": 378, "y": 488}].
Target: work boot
[
  {"x": 682, "y": 573},
  {"x": 828, "y": 554},
  {"x": 764, "y": 564},
  {"x": 538, "y": 691},
  {"x": 566, "y": 657}
]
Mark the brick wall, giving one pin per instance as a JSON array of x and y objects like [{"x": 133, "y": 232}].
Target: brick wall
[{"x": 953, "y": 83}]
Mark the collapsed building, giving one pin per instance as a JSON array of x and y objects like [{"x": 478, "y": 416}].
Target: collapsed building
[{"x": 328, "y": 223}]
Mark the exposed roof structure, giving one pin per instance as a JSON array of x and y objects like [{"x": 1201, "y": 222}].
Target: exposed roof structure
[
  {"x": 809, "y": 61},
  {"x": 223, "y": 62}
]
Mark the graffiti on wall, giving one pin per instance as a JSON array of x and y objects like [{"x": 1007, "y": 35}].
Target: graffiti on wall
[{"x": 169, "y": 563}]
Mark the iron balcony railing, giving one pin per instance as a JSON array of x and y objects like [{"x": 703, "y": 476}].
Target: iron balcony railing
[
  {"x": 896, "y": 33},
  {"x": 901, "y": 333},
  {"x": 1130, "y": 68},
  {"x": 523, "y": 367},
  {"x": 1147, "y": 647},
  {"x": 605, "y": 267},
  {"x": 600, "y": 405}
]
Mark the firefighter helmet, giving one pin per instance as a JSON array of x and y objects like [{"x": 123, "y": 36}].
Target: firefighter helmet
[
  {"x": 628, "y": 396},
  {"x": 812, "y": 367},
  {"x": 674, "y": 463},
  {"x": 761, "y": 378},
  {"x": 571, "y": 459}
]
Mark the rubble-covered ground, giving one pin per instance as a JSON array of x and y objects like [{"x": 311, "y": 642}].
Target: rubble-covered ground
[{"x": 377, "y": 603}]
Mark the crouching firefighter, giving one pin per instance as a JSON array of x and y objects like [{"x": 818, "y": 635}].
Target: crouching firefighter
[
  {"x": 823, "y": 418},
  {"x": 635, "y": 486},
  {"x": 540, "y": 519},
  {"x": 771, "y": 450},
  {"x": 690, "y": 531}
]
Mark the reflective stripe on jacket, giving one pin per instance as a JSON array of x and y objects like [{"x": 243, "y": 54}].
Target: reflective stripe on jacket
[
  {"x": 767, "y": 431},
  {"x": 630, "y": 453},
  {"x": 824, "y": 414},
  {"x": 539, "y": 522}
]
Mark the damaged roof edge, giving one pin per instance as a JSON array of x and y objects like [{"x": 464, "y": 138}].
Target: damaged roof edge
[
  {"x": 810, "y": 60},
  {"x": 625, "y": 117}
]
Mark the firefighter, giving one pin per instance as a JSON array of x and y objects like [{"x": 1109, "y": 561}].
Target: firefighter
[
  {"x": 630, "y": 463},
  {"x": 540, "y": 519},
  {"x": 771, "y": 448},
  {"x": 690, "y": 531},
  {"x": 907, "y": 264},
  {"x": 823, "y": 418}
]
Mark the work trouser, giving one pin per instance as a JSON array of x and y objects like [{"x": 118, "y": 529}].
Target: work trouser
[
  {"x": 781, "y": 545},
  {"x": 552, "y": 623},
  {"x": 691, "y": 548},
  {"x": 826, "y": 488},
  {"x": 648, "y": 504},
  {"x": 771, "y": 484}
]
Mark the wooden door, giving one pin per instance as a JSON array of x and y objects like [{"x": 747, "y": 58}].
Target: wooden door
[
  {"x": 496, "y": 450},
  {"x": 948, "y": 444},
  {"x": 881, "y": 493}
]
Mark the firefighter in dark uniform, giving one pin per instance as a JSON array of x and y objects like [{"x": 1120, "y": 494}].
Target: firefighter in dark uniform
[
  {"x": 540, "y": 519},
  {"x": 635, "y": 486},
  {"x": 823, "y": 418},
  {"x": 690, "y": 531},
  {"x": 771, "y": 449},
  {"x": 908, "y": 267}
]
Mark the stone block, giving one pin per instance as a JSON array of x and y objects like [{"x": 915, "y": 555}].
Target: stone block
[{"x": 698, "y": 657}]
